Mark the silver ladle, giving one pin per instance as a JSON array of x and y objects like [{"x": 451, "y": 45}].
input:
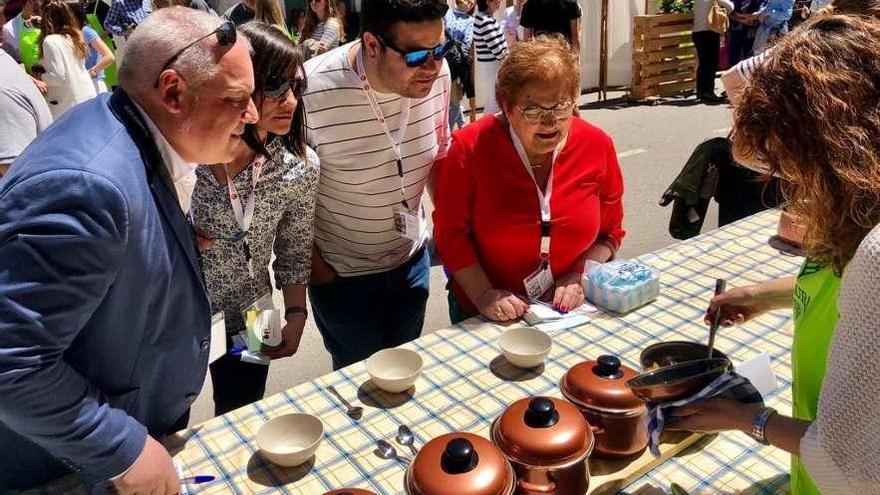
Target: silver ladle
[{"x": 720, "y": 287}]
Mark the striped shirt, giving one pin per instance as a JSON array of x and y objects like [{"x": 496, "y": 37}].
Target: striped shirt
[
  {"x": 360, "y": 187},
  {"x": 328, "y": 33},
  {"x": 489, "y": 41},
  {"x": 748, "y": 66}
]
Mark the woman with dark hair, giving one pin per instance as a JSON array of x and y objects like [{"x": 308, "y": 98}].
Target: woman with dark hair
[
  {"x": 260, "y": 203},
  {"x": 100, "y": 56},
  {"x": 831, "y": 178},
  {"x": 323, "y": 31},
  {"x": 63, "y": 50}
]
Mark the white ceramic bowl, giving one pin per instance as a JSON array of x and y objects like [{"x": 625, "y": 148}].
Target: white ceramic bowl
[
  {"x": 291, "y": 439},
  {"x": 525, "y": 347},
  {"x": 394, "y": 370}
]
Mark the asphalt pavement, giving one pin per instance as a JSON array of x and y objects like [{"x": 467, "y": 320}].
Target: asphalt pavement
[{"x": 653, "y": 141}]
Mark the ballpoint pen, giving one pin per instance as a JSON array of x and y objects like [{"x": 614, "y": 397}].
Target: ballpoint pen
[{"x": 202, "y": 478}]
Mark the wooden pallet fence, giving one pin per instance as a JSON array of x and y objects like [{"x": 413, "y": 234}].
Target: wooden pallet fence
[{"x": 664, "y": 60}]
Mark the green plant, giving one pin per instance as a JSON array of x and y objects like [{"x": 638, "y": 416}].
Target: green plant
[{"x": 669, "y": 6}]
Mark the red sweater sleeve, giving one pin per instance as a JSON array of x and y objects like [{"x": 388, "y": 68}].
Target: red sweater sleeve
[
  {"x": 453, "y": 209},
  {"x": 611, "y": 209}
]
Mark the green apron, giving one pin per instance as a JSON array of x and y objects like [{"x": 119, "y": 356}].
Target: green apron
[
  {"x": 815, "y": 316},
  {"x": 28, "y": 44},
  {"x": 110, "y": 77}
]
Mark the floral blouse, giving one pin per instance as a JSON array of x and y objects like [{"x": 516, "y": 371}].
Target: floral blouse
[{"x": 284, "y": 213}]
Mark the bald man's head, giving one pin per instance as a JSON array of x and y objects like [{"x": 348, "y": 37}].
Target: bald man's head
[{"x": 202, "y": 100}]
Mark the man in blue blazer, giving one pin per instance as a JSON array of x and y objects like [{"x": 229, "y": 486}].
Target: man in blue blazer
[{"x": 104, "y": 318}]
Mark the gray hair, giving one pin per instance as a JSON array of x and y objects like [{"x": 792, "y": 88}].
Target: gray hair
[{"x": 158, "y": 38}]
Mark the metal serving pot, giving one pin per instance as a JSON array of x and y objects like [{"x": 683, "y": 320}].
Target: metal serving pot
[
  {"x": 618, "y": 418},
  {"x": 548, "y": 442},
  {"x": 459, "y": 464}
]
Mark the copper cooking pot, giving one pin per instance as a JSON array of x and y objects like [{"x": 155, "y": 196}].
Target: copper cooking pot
[
  {"x": 618, "y": 418},
  {"x": 548, "y": 442},
  {"x": 790, "y": 229},
  {"x": 349, "y": 491},
  {"x": 459, "y": 464}
]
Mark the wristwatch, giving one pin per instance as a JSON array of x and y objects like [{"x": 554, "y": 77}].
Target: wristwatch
[
  {"x": 759, "y": 425},
  {"x": 295, "y": 310}
]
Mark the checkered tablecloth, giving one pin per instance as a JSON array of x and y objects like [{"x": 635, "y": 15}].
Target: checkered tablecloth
[{"x": 466, "y": 384}]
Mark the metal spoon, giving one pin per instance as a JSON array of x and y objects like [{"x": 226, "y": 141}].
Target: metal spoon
[
  {"x": 352, "y": 411},
  {"x": 720, "y": 286},
  {"x": 406, "y": 438},
  {"x": 387, "y": 451}
]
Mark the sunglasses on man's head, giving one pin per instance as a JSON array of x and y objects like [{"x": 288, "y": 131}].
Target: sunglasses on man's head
[
  {"x": 417, "y": 58},
  {"x": 226, "y": 37},
  {"x": 276, "y": 90}
]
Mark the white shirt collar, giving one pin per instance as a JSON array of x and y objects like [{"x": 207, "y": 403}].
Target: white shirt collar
[{"x": 183, "y": 173}]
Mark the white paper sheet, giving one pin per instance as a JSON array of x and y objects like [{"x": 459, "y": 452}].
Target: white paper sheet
[{"x": 760, "y": 372}]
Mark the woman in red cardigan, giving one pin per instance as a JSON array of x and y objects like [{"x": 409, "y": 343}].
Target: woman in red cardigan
[{"x": 526, "y": 196}]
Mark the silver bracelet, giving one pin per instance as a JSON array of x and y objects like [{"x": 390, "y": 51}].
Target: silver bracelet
[{"x": 759, "y": 425}]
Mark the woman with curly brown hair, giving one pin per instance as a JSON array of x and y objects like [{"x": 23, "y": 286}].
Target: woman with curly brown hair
[
  {"x": 63, "y": 50},
  {"x": 821, "y": 135}
]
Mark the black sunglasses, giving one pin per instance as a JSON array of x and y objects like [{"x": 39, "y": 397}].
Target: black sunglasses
[
  {"x": 417, "y": 58},
  {"x": 276, "y": 90},
  {"x": 226, "y": 36}
]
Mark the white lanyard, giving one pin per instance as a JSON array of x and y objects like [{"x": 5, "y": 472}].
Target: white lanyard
[
  {"x": 396, "y": 144},
  {"x": 245, "y": 216},
  {"x": 543, "y": 196}
]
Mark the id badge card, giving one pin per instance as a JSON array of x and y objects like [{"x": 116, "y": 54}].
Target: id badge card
[
  {"x": 218, "y": 337},
  {"x": 407, "y": 224},
  {"x": 263, "y": 323},
  {"x": 539, "y": 282}
]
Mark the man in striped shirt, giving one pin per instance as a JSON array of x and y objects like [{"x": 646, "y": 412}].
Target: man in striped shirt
[{"x": 377, "y": 118}]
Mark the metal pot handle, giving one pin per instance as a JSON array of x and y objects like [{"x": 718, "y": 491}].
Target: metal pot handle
[
  {"x": 535, "y": 488},
  {"x": 597, "y": 430}
]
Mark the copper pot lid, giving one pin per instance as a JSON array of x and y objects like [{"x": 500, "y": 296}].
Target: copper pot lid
[
  {"x": 459, "y": 464},
  {"x": 601, "y": 385},
  {"x": 543, "y": 432},
  {"x": 349, "y": 491}
]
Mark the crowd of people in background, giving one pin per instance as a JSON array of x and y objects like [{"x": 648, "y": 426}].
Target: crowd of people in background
[
  {"x": 105, "y": 25},
  {"x": 751, "y": 25},
  {"x": 233, "y": 139},
  {"x": 483, "y": 32}
]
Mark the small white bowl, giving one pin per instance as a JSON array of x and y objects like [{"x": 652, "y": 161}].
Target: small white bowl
[
  {"x": 525, "y": 347},
  {"x": 290, "y": 440},
  {"x": 394, "y": 370}
]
